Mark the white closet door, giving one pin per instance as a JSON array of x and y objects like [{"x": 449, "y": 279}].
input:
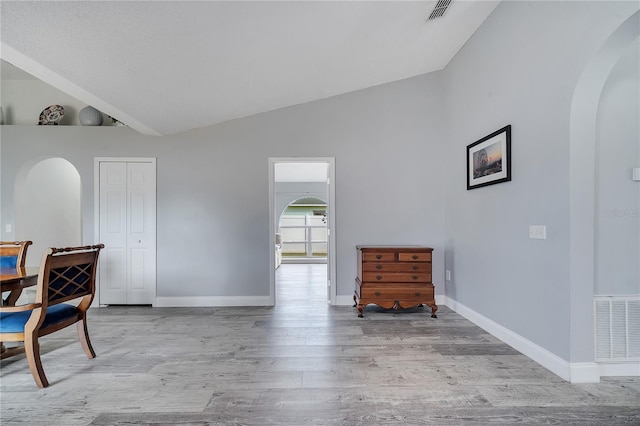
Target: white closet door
[
  {"x": 113, "y": 233},
  {"x": 127, "y": 229},
  {"x": 141, "y": 233}
]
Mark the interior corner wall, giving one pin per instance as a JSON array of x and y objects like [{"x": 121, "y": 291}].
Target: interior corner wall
[{"x": 519, "y": 68}]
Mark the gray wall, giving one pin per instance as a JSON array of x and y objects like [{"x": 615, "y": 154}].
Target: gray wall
[
  {"x": 520, "y": 68},
  {"x": 617, "y": 195},
  {"x": 213, "y": 183}
]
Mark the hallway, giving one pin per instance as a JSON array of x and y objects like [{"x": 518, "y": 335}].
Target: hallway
[
  {"x": 301, "y": 363},
  {"x": 304, "y": 284}
]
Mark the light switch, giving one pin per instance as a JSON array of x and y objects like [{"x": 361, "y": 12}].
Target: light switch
[
  {"x": 448, "y": 274},
  {"x": 7, "y": 227},
  {"x": 538, "y": 232}
]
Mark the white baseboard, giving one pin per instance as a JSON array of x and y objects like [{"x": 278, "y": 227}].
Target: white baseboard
[
  {"x": 614, "y": 369},
  {"x": 587, "y": 372},
  {"x": 303, "y": 260},
  {"x": 344, "y": 300},
  {"x": 584, "y": 372},
  {"x": 216, "y": 301}
]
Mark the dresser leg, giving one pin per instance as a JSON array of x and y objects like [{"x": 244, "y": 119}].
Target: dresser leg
[
  {"x": 359, "y": 306},
  {"x": 434, "y": 309}
]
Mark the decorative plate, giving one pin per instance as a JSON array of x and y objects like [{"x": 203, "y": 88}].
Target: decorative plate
[{"x": 51, "y": 115}]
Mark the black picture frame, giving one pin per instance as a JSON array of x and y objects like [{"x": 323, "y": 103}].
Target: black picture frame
[{"x": 489, "y": 159}]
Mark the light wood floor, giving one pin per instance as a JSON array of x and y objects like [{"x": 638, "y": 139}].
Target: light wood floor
[{"x": 300, "y": 363}]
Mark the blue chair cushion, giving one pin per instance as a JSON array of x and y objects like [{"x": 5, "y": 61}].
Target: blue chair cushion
[
  {"x": 8, "y": 261},
  {"x": 13, "y": 322}
]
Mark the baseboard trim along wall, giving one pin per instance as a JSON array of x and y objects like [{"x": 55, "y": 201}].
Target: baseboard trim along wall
[
  {"x": 584, "y": 372},
  {"x": 614, "y": 369},
  {"x": 342, "y": 300},
  {"x": 215, "y": 301}
]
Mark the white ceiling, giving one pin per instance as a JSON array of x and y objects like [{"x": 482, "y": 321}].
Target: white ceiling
[{"x": 169, "y": 66}]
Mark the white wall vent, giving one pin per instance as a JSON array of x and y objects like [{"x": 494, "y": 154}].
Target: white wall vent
[
  {"x": 617, "y": 328},
  {"x": 439, "y": 9}
]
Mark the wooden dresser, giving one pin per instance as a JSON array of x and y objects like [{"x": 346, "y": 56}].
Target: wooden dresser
[{"x": 394, "y": 277}]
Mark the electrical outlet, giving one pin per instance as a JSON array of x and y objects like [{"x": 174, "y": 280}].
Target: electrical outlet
[
  {"x": 538, "y": 232},
  {"x": 448, "y": 274},
  {"x": 7, "y": 227}
]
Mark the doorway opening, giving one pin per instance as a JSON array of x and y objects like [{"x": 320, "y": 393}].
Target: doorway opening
[
  {"x": 302, "y": 232},
  {"x": 48, "y": 211},
  {"x": 301, "y": 225}
]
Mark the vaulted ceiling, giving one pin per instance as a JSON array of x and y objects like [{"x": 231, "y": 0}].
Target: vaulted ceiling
[{"x": 169, "y": 66}]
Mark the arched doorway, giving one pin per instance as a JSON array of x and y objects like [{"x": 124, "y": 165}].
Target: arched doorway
[
  {"x": 582, "y": 200},
  {"x": 301, "y": 277},
  {"x": 302, "y": 231},
  {"x": 48, "y": 206}
]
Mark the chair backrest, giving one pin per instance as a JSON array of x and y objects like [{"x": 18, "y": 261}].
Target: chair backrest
[
  {"x": 13, "y": 254},
  {"x": 68, "y": 273}
]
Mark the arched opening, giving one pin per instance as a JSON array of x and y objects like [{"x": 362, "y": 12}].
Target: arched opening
[
  {"x": 48, "y": 206},
  {"x": 583, "y": 207},
  {"x": 302, "y": 231}
]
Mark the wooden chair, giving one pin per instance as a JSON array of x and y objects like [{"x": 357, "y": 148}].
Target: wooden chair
[
  {"x": 65, "y": 274},
  {"x": 13, "y": 255}
]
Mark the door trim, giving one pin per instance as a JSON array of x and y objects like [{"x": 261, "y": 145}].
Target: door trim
[
  {"x": 331, "y": 226},
  {"x": 96, "y": 211}
]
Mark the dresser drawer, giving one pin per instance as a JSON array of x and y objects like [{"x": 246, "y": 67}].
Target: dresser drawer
[
  {"x": 405, "y": 292},
  {"x": 414, "y": 257},
  {"x": 396, "y": 267},
  {"x": 388, "y": 256},
  {"x": 398, "y": 277}
]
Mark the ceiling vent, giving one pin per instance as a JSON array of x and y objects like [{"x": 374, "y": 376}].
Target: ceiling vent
[{"x": 440, "y": 9}]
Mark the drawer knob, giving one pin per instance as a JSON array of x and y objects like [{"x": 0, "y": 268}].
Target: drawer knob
[
  {"x": 417, "y": 293},
  {"x": 378, "y": 256},
  {"x": 414, "y": 257},
  {"x": 377, "y": 293},
  {"x": 378, "y": 277},
  {"x": 415, "y": 277},
  {"x": 378, "y": 266},
  {"x": 415, "y": 267}
]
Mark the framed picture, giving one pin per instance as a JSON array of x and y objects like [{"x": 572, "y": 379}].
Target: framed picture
[{"x": 489, "y": 159}]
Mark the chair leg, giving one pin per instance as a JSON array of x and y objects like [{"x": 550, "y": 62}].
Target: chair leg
[
  {"x": 83, "y": 336},
  {"x": 32, "y": 350},
  {"x": 13, "y": 297}
]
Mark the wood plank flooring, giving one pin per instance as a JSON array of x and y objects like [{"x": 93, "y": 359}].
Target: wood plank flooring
[{"x": 300, "y": 363}]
